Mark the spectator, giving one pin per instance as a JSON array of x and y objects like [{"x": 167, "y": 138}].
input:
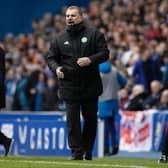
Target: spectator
[
  {"x": 126, "y": 25},
  {"x": 51, "y": 95},
  {"x": 153, "y": 99},
  {"x": 31, "y": 88},
  {"x": 145, "y": 70},
  {"x": 10, "y": 84},
  {"x": 164, "y": 69},
  {"x": 163, "y": 104},
  {"x": 20, "y": 98},
  {"x": 136, "y": 99},
  {"x": 40, "y": 90}
]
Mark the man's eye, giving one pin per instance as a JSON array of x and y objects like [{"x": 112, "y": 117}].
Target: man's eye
[{"x": 70, "y": 15}]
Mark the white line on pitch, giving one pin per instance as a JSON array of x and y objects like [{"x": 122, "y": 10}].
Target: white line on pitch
[{"x": 73, "y": 163}]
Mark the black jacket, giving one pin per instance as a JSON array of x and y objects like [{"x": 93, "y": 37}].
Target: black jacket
[
  {"x": 79, "y": 82},
  {"x": 2, "y": 78}
]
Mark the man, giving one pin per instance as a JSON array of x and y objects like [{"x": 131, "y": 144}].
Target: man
[
  {"x": 164, "y": 157},
  {"x": 108, "y": 104},
  {"x": 74, "y": 56},
  {"x": 5, "y": 141}
]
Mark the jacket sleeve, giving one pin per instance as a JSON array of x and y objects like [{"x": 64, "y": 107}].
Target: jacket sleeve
[
  {"x": 101, "y": 51},
  {"x": 122, "y": 80},
  {"x": 53, "y": 56}
]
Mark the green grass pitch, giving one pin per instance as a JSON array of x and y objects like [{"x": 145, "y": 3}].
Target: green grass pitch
[{"x": 63, "y": 162}]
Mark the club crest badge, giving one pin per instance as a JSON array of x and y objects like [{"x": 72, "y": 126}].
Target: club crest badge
[
  {"x": 66, "y": 43},
  {"x": 84, "y": 39}
]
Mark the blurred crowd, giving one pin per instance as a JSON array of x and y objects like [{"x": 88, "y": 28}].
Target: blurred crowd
[{"x": 137, "y": 36}]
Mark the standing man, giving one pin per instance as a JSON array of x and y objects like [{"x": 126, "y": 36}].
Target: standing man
[
  {"x": 5, "y": 141},
  {"x": 112, "y": 81},
  {"x": 74, "y": 56}
]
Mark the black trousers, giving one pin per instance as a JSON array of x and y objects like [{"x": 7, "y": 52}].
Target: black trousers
[
  {"x": 81, "y": 138},
  {"x": 165, "y": 145},
  {"x": 110, "y": 128},
  {"x": 2, "y": 138}
]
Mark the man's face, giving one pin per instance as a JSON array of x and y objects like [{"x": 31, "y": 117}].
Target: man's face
[
  {"x": 165, "y": 60},
  {"x": 73, "y": 17},
  {"x": 155, "y": 87}
]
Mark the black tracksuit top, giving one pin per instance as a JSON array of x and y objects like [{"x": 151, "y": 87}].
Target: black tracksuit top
[{"x": 79, "y": 82}]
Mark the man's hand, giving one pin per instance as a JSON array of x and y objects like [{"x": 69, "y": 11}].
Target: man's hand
[
  {"x": 84, "y": 61},
  {"x": 59, "y": 73}
]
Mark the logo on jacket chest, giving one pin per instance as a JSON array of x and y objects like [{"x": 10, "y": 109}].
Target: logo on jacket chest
[
  {"x": 66, "y": 43},
  {"x": 84, "y": 39}
]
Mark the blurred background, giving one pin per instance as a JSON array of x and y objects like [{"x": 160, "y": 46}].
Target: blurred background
[
  {"x": 137, "y": 37},
  {"x": 16, "y": 16}
]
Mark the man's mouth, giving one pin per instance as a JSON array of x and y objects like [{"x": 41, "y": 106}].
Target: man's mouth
[{"x": 70, "y": 22}]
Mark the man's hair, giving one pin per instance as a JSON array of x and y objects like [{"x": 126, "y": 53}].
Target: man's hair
[{"x": 77, "y": 8}]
